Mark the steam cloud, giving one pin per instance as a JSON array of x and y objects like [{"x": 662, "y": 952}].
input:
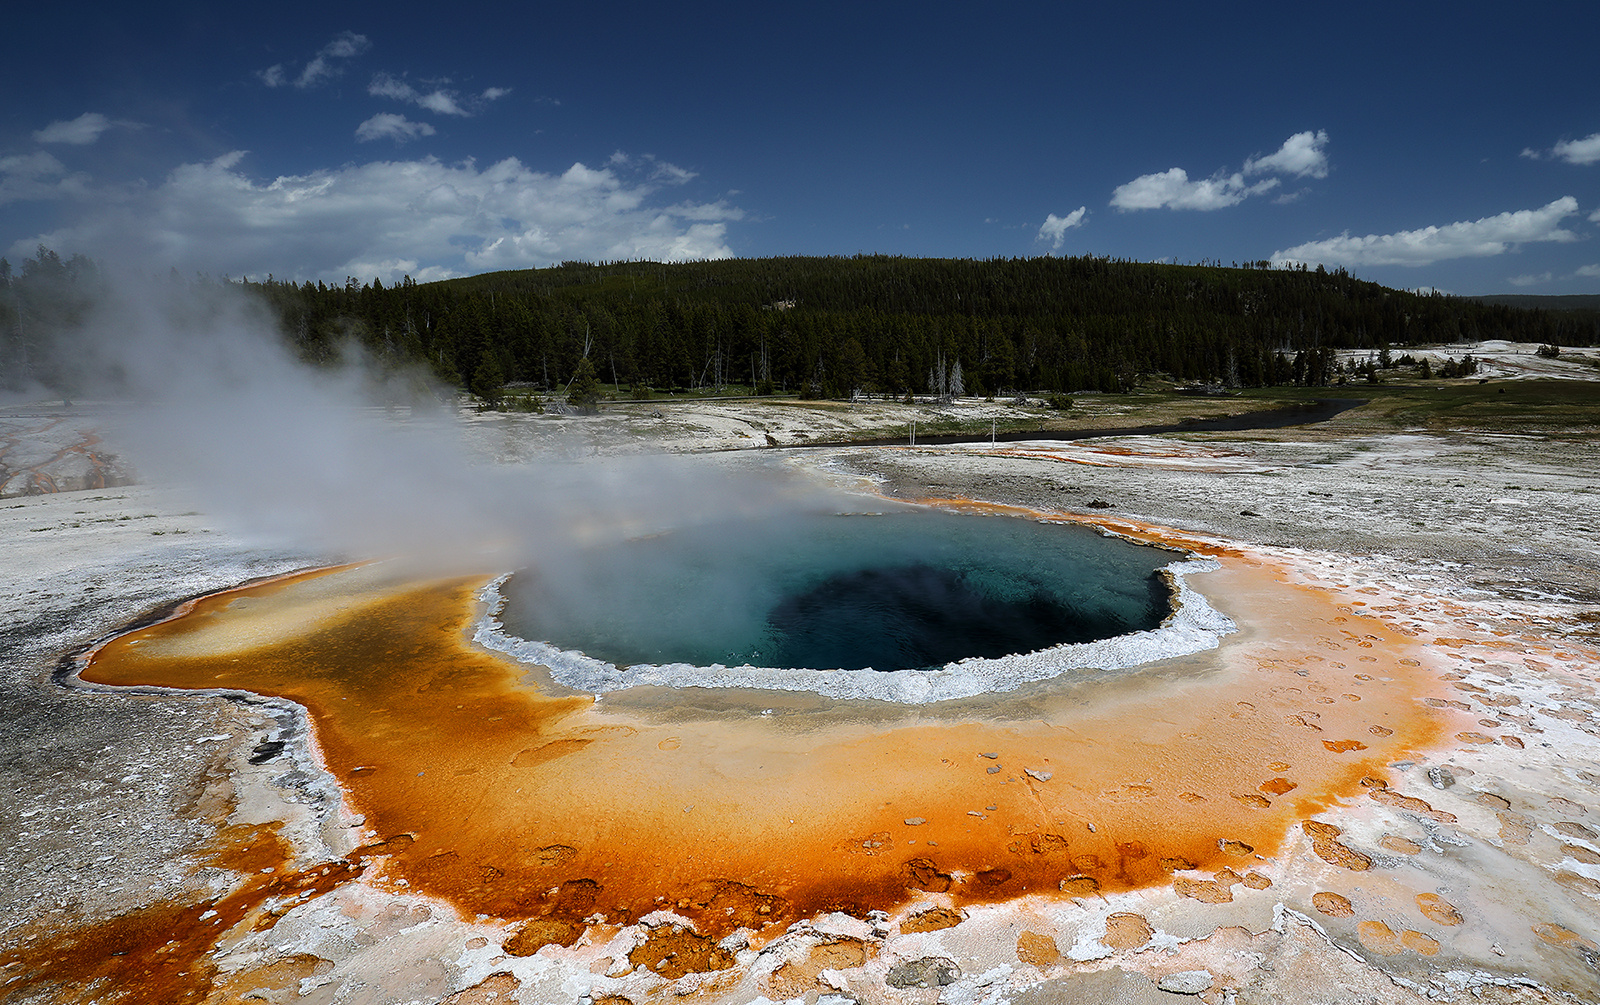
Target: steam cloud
[{"x": 207, "y": 396}]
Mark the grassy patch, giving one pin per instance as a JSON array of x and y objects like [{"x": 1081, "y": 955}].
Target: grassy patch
[
  {"x": 620, "y": 394},
  {"x": 1568, "y": 408},
  {"x": 1523, "y": 406}
]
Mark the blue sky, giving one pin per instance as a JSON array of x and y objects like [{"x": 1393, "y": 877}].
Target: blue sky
[{"x": 1420, "y": 145}]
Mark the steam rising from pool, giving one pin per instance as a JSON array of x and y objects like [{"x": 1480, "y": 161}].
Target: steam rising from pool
[
  {"x": 909, "y": 605},
  {"x": 208, "y": 398}
]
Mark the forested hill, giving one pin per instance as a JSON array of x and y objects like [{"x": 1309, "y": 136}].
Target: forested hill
[
  {"x": 832, "y": 326},
  {"x": 829, "y": 326},
  {"x": 1588, "y": 302}
]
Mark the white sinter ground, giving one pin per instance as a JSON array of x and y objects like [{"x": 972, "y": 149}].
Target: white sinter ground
[{"x": 1489, "y": 540}]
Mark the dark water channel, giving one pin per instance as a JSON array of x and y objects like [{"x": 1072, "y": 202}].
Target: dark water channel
[{"x": 1320, "y": 410}]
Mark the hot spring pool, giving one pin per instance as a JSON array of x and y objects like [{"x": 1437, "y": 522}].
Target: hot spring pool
[{"x": 898, "y": 591}]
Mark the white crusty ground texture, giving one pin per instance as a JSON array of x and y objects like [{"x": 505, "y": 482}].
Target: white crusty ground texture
[{"x": 1474, "y": 540}]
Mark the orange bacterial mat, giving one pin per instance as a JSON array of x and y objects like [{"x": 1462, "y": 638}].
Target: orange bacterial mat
[{"x": 511, "y": 800}]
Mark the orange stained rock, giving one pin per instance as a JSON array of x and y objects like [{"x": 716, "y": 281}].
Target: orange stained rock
[
  {"x": 1332, "y": 904},
  {"x": 1037, "y": 950},
  {"x": 517, "y": 800},
  {"x": 1404, "y": 846},
  {"x": 932, "y": 920},
  {"x": 1419, "y": 943},
  {"x": 1559, "y": 935},
  {"x": 1125, "y": 930},
  {"x": 1515, "y": 828},
  {"x": 1577, "y": 881},
  {"x": 162, "y": 952},
  {"x": 1079, "y": 885},
  {"x": 1379, "y": 938},
  {"x": 1389, "y": 797},
  {"x": 501, "y": 989},
  {"x": 1580, "y": 853},
  {"x": 35, "y": 479},
  {"x": 671, "y": 952},
  {"x": 796, "y": 978},
  {"x": 534, "y": 935},
  {"x": 1438, "y": 910},
  {"x": 1206, "y": 891},
  {"x": 1324, "y": 842}
]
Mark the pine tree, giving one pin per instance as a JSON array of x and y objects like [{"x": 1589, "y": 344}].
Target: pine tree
[
  {"x": 583, "y": 393},
  {"x": 488, "y": 380}
]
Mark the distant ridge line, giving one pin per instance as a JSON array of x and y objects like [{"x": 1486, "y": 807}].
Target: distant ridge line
[{"x": 1542, "y": 302}]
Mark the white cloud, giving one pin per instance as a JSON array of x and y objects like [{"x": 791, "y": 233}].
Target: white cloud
[
  {"x": 345, "y": 45},
  {"x": 81, "y": 131},
  {"x": 1595, "y": 216},
  {"x": 34, "y": 165},
  {"x": 1584, "y": 151},
  {"x": 1301, "y": 155},
  {"x": 439, "y": 100},
  {"x": 1055, "y": 227},
  {"x": 1492, "y": 235},
  {"x": 325, "y": 65},
  {"x": 672, "y": 174},
  {"x": 711, "y": 212},
  {"x": 1530, "y": 280},
  {"x": 1589, "y": 270},
  {"x": 422, "y": 217},
  {"x": 660, "y": 170},
  {"x": 442, "y": 102},
  {"x": 1173, "y": 190},
  {"x": 37, "y": 177},
  {"x": 386, "y": 85},
  {"x": 393, "y": 126}
]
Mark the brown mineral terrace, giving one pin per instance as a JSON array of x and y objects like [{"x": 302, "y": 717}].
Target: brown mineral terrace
[
  {"x": 487, "y": 786},
  {"x": 54, "y": 454}
]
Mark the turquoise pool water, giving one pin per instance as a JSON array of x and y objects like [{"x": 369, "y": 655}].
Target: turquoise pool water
[{"x": 902, "y": 590}]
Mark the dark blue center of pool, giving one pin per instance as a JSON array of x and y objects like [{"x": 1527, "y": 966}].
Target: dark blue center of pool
[{"x": 899, "y": 591}]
